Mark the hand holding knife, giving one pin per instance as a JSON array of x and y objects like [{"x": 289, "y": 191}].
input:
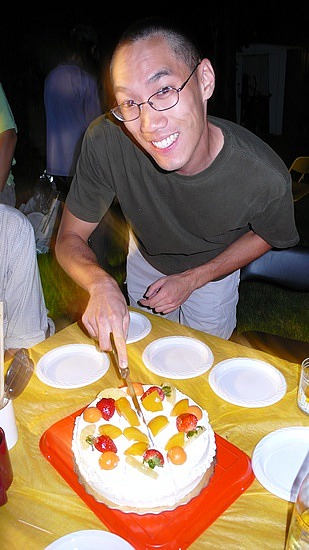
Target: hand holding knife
[{"x": 125, "y": 374}]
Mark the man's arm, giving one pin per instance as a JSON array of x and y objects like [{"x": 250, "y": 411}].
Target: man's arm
[
  {"x": 8, "y": 140},
  {"x": 107, "y": 309},
  {"x": 168, "y": 293}
]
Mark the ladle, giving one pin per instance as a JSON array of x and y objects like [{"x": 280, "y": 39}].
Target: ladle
[{"x": 18, "y": 375}]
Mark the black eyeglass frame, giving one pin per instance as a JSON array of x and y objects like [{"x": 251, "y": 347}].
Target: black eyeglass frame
[{"x": 178, "y": 90}]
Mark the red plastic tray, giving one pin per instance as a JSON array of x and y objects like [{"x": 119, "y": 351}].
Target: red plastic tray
[{"x": 168, "y": 530}]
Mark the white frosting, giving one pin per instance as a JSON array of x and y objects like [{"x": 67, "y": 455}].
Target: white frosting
[{"x": 125, "y": 485}]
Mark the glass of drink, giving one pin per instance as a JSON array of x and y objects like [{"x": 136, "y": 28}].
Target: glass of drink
[
  {"x": 298, "y": 537},
  {"x": 303, "y": 388}
]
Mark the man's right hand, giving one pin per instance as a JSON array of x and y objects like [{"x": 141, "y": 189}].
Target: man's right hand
[{"x": 106, "y": 313}]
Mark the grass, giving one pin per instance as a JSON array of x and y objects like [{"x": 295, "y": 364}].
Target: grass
[{"x": 267, "y": 308}]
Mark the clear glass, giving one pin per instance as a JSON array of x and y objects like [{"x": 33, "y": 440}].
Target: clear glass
[
  {"x": 298, "y": 537},
  {"x": 164, "y": 99},
  {"x": 303, "y": 388}
]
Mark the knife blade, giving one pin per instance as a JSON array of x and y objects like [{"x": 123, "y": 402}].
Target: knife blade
[{"x": 125, "y": 374}]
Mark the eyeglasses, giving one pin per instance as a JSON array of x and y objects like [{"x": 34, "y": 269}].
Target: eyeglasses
[{"x": 164, "y": 99}]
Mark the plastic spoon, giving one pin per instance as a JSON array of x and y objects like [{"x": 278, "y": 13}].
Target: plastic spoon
[{"x": 18, "y": 374}]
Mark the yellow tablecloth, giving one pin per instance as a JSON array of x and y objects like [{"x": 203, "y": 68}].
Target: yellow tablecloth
[{"x": 42, "y": 507}]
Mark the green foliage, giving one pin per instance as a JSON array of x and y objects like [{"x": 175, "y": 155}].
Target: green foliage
[{"x": 63, "y": 297}]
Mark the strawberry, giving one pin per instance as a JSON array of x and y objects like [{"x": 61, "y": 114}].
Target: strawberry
[
  {"x": 153, "y": 458},
  {"x": 151, "y": 389},
  {"x": 107, "y": 407},
  {"x": 102, "y": 443},
  {"x": 186, "y": 422}
]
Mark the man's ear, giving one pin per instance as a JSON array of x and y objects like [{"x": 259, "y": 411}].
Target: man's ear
[{"x": 207, "y": 78}]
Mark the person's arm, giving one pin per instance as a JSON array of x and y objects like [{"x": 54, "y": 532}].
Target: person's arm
[
  {"x": 107, "y": 309},
  {"x": 8, "y": 140},
  {"x": 168, "y": 293}
]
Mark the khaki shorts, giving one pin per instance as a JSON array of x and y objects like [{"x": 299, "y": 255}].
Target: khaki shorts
[{"x": 211, "y": 308}]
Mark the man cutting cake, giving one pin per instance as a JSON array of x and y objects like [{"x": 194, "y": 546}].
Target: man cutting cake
[{"x": 202, "y": 196}]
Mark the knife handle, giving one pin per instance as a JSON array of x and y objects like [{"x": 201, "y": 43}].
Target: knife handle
[{"x": 124, "y": 372}]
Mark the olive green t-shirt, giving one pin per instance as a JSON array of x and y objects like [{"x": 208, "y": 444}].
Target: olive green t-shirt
[{"x": 184, "y": 221}]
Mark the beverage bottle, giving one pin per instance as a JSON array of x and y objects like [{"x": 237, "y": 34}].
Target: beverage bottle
[{"x": 298, "y": 537}]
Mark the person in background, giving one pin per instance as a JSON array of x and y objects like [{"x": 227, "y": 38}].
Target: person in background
[
  {"x": 26, "y": 322},
  {"x": 202, "y": 196},
  {"x": 71, "y": 101},
  {"x": 8, "y": 140}
]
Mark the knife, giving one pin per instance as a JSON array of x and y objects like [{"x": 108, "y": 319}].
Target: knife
[{"x": 125, "y": 374}]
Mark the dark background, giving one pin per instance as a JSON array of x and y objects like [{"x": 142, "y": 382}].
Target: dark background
[{"x": 30, "y": 45}]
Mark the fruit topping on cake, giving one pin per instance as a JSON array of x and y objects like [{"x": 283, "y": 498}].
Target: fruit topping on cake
[
  {"x": 102, "y": 443},
  {"x": 107, "y": 407},
  {"x": 115, "y": 459},
  {"x": 153, "y": 458}
]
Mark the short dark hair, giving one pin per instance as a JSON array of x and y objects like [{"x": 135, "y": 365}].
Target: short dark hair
[{"x": 179, "y": 40}]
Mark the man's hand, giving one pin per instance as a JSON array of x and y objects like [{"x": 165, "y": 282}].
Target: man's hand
[
  {"x": 168, "y": 293},
  {"x": 107, "y": 313}
]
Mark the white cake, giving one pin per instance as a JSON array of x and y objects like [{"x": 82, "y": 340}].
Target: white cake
[{"x": 131, "y": 484}]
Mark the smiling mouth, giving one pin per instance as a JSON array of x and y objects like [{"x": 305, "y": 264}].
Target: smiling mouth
[{"x": 165, "y": 142}]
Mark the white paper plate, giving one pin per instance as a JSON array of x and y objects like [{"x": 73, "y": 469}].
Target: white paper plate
[
  {"x": 90, "y": 540},
  {"x": 139, "y": 327},
  {"x": 178, "y": 357},
  {"x": 277, "y": 459},
  {"x": 72, "y": 366},
  {"x": 247, "y": 382}
]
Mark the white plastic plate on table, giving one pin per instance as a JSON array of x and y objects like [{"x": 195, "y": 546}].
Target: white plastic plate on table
[
  {"x": 178, "y": 357},
  {"x": 277, "y": 459},
  {"x": 247, "y": 382},
  {"x": 139, "y": 327},
  {"x": 72, "y": 366},
  {"x": 89, "y": 540}
]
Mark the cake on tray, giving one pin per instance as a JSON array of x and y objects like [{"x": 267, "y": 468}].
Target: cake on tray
[{"x": 116, "y": 462}]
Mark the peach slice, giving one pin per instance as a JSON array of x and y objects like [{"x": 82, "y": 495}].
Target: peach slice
[
  {"x": 177, "y": 440},
  {"x": 153, "y": 402},
  {"x": 180, "y": 407},
  {"x": 134, "y": 433},
  {"x": 109, "y": 429},
  {"x": 131, "y": 416},
  {"x": 137, "y": 449},
  {"x": 157, "y": 424},
  {"x": 121, "y": 404}
]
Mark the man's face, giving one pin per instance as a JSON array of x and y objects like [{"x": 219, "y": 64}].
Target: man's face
[{"x": 175, "y": 138}]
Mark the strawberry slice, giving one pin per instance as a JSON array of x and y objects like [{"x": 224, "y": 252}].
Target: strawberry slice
[
  {"x": 186, "y": 422},
  {"x": 153, "y": 458},
  {"x": 151, "y": 389},
  {"x": 107, "y": 407},
  {"x": 102, "y": 443}
]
